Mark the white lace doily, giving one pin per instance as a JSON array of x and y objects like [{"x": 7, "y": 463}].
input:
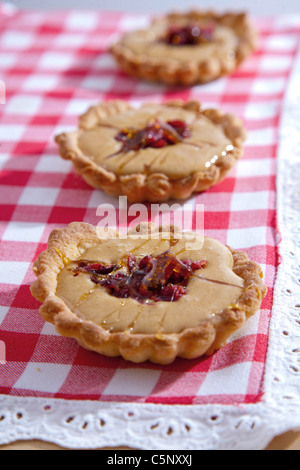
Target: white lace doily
[{"x": 90, "y": 424}]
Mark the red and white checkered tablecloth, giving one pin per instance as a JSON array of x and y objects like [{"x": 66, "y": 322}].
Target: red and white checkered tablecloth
[{"x": 54, "y": 65}]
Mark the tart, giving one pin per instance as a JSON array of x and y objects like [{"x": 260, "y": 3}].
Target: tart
[
  {"x": 154, "y": 152},
  {"x": 154, "y": 294},
  {"x": 187, "y": 48}
]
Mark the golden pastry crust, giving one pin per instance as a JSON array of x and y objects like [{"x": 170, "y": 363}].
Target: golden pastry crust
[
  {"x": 210, "y": 335},
  {"x": 200, "y": 68},
  {"x": 146, "y": 185}
]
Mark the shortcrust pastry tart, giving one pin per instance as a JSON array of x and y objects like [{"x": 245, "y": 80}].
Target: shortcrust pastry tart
[
  {"x": 155, "y": 295},
  {"x": 154, "y": 152},
  {"x": 187, "y": 48}
]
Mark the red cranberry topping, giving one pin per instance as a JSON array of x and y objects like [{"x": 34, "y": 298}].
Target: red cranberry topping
[
  {"x": 171, "y": 293},
  {"x": 189, "y": 35},
  {"x": 181, "y": 127},
  {"x": 194, "y": 265},
  {"x": 156, "y": 135},
  {"x": 94, "y": 268},
  {"x": 163, "y": 277}
]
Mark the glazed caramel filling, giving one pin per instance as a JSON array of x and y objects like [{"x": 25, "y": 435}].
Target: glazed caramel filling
[
  {"x": 175, "y": 294},
  {"x": 155, "y": 139}
]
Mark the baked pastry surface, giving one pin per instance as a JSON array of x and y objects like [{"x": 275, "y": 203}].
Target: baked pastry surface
[
  {"x": 187, "y": 48},
  {"x": 155, "y": 152},
  {"x": 155, "y": 295}
]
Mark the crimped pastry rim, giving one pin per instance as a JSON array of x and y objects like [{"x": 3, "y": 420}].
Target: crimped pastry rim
[
  {"x": 153, "y": 187},
  {"x": 209, "y": 336},
  {"x": 193, "y": 71}
]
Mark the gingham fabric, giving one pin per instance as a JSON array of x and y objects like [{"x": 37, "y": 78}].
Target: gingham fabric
[{"x": 54, "y": 65}]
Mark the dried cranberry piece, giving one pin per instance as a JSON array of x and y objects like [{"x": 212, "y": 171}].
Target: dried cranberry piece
[
  {"x": 146, "y": 263},
  {"x": 194, "y": 265},
  {"x": 176, "y": 36},
  {"x": 181, "y": 127},
  {"x": 99, "y": 268},
  {"x": 192, "y": 34},
  {"x": 171, "y": 293},
  {"x": 155, "y": 135},
  {"x": 131, "y": 263},
  {"x": 122, "y": 136},
  {"x": 95, "y": 279},
  {"x": 117, "y": 285},
  {"x": 94, "y": 268},
  {"x": 180, "y": 273},
  {"x": 198, "y": 264}
]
